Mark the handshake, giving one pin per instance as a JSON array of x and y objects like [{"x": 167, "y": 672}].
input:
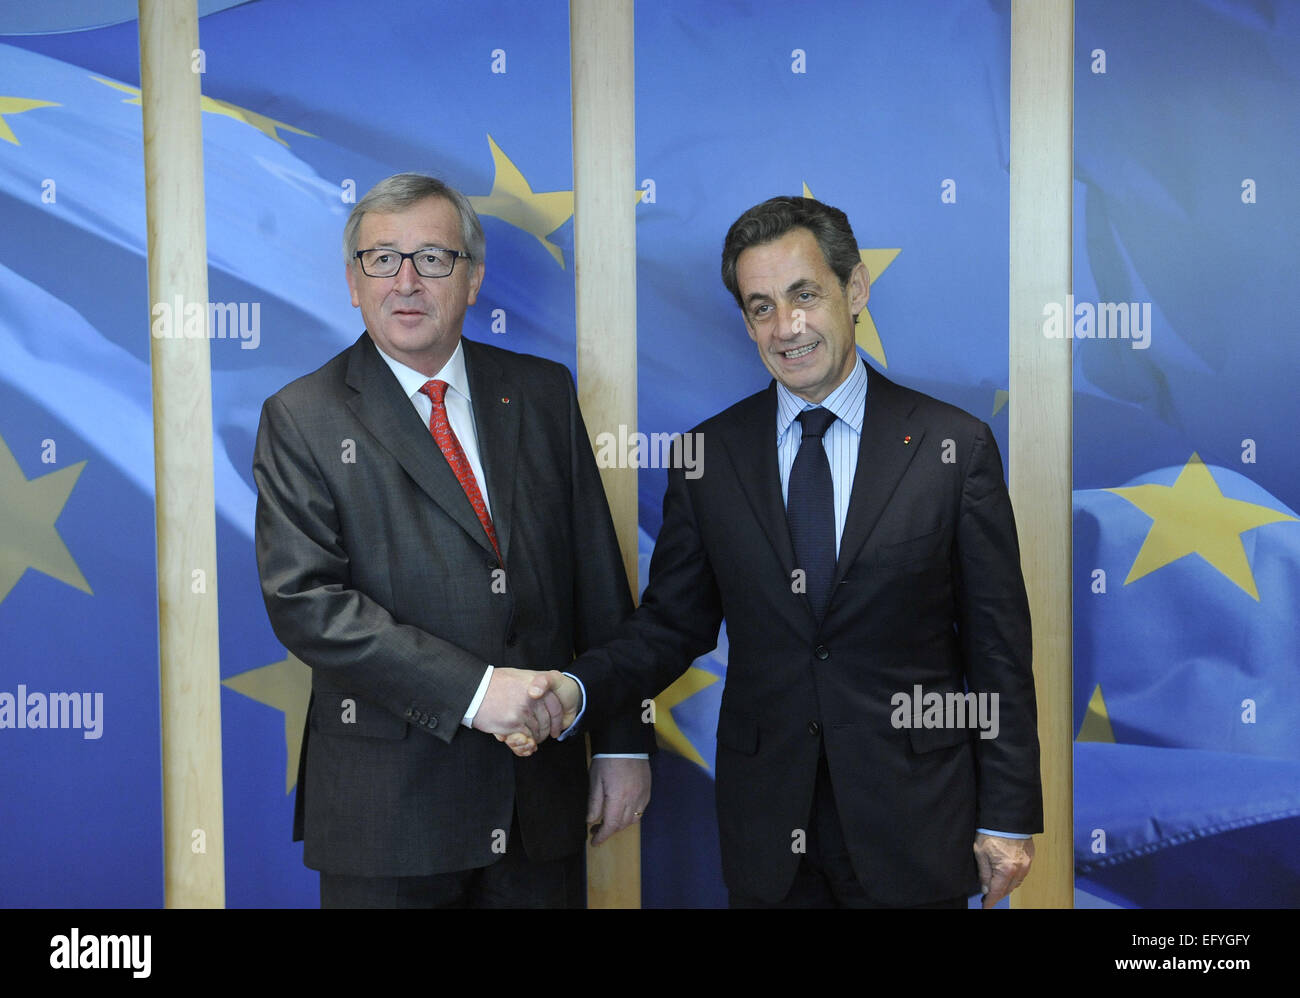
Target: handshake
[{"x": 523, "y": 708}]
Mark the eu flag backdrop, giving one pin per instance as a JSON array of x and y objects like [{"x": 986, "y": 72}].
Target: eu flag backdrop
[
  {"x": 1185, "y": 198},
  {"x": 80, "y": 810},
  {"x": 306, "y": 105},
  {"x": 1186, "y": 542}
]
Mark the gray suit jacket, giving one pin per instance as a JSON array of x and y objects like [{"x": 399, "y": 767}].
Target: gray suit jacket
[{"x": 378, "y": 575}]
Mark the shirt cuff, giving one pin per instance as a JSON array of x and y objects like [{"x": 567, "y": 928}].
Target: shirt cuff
[
  {"x": 581, "y": 710},
  {"x": 1005, "y": 835},
  {"x": 621, "y": 755},
  {"x": 472, "y": 710}
]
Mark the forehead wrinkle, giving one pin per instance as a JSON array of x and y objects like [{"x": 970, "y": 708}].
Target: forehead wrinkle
[
  {"x": 388, "y": 240},
  {"x": 428, "y": 245},
  {"x": 384, "y": 229}
]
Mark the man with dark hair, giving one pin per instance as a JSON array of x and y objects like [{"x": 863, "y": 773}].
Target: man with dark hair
[
  {"x": 772, "y": 219},
  {"x": 430, "y": 520},
  {"x": 878, "y": 719}
]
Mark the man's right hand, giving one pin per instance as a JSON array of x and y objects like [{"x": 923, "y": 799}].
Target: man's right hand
[
  {"x": 508, "y": 707},
  {"x": 559, "y": 698}
]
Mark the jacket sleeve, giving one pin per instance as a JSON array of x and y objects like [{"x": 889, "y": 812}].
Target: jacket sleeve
[
  {"x": 994, "y": 631},
  {"x": 315, "y": 611},
  {"x": 602, "y": 597},
  {"x": 677, "y": 621}
]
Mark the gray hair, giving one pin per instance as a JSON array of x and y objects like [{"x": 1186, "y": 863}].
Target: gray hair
[
  {"x": 401, "y": 191},
  {"x": 769, "y": 221}
]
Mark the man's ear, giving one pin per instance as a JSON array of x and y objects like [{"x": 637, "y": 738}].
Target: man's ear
[
  {"x": 858, "y": 288},
  {"x": 475, "y": 282},
  {"x": 350, "y": 271}
]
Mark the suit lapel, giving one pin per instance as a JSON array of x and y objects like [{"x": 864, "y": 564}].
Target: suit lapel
[
  {"x": 382, "y": 409},
  {"x": 753, "y": 454},
  {"x": 497, "y": 422},
  {"x": 884, "y": 452}
]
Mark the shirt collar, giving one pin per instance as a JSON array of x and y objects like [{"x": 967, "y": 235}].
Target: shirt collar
[
  {"x": 848, "y": 401},
  {"x": 411, "y": 380}
]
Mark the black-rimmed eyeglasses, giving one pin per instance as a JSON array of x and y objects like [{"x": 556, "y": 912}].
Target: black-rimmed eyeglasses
[{"x": 432, "y": 261}]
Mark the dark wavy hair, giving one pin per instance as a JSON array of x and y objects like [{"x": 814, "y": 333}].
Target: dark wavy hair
[{"x": 772, "y": 219}]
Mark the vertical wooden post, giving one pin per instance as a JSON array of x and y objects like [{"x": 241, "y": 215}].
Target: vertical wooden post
[
  {"x": 1042, "y": 168},
  {"x": 193, "y": 847},
  {"x": 604, "y": 236}
]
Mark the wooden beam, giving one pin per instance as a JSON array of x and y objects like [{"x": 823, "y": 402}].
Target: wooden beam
[
  {"x": 1042, "y": 168},
  {"x": 193, "y": 849},
  {"x": 604, "y": 237}
]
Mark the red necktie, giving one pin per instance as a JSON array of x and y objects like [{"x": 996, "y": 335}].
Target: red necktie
[{"x": 451, "y": 449}]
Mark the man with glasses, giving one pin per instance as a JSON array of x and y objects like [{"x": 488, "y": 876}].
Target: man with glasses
[{"x": 430, "y": 522}]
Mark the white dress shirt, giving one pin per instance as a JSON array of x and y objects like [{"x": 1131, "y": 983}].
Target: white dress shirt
[{"x": 460, "y": 415}]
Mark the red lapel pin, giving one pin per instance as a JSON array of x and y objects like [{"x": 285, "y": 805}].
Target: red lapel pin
[{"x": 907, "y": 439}]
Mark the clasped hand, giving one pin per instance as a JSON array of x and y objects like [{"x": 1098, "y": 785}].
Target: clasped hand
[{"x": 524, "y": 708}]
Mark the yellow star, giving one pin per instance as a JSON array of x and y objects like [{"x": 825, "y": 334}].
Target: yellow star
[
  {"x": 1096, "y": 722},
  {"x": 134, "y": 91},
  {"x": 17, "y": 105},
  {"x": 267, "y": 126},
  {"x": 1193, "y": 517},
  {"x": 28, "y": 538},
  {"x": 669, "y": 734},
  {"x": 877, "y": 261},
  {"x": 513, "y": 201},
  {"x": 286, "y": 686}
]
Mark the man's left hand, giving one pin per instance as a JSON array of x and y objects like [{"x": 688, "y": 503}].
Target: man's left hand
[
  {"x": 1003, "y": 865},
  {"x": 620, "y": 793}
]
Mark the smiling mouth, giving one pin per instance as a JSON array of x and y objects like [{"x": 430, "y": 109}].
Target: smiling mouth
[{"x": 797, "y": 352}]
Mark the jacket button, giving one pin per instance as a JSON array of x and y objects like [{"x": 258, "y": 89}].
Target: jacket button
[
  {"x": 432, "y": 722},
  {"x": 814, "y": 728},
  {"x": 822, "y": 652}
]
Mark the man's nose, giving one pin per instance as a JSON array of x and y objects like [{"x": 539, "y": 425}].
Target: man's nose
[
  {"x": 789, "y": 321},
  {"x": 406, "y": 279}
]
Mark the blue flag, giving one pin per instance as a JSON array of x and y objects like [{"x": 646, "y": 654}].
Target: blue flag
[
  {"x": 305, "y": 107},
  {"x": 1186, "y": 543}
]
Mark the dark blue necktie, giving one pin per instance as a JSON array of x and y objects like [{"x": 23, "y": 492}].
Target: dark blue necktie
[{"x": 810, "y": 509}]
